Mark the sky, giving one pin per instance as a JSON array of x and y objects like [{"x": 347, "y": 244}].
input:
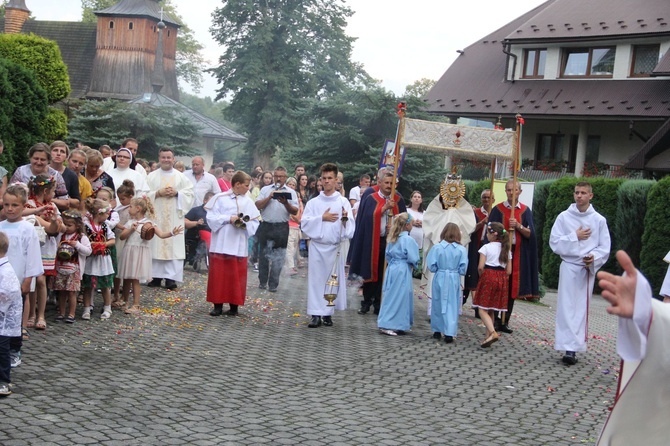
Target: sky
[{"x": 398, "y": 41}]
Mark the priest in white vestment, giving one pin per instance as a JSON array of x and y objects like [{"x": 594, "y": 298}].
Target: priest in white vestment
[
  {"x": 640, "y": 412},
  {"x": 447, "y": 207},
  {"x": 581, "y": 237},
  {"x": 172, "y": 195},
  {"x": 324, "y": 223}
]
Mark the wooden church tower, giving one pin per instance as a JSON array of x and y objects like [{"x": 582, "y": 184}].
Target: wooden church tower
[{"x": 126, "y": 49}]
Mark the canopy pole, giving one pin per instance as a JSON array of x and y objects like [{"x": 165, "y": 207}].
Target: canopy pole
[{"x": 400, "y": 134}]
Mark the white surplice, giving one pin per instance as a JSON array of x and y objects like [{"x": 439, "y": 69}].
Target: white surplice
[
  {"x": 226, "y": 238},
  {"x": 325, "y": 238},
  {"x": 640, "y": 413},
  {"x": 169, "y": 254},
  {"x": 575, "y": 283}
]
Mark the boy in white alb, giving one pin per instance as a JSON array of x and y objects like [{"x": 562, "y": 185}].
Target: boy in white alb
[{"x": 581, "y": 237}]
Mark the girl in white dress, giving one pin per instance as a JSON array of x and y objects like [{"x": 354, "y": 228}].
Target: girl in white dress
[
  {"x": 135, "y": 260},
  {"x": 124, "y": 193}
]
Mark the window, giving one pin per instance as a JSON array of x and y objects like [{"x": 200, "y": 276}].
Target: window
[
  {"x": 645, "y": 59},
  {"x": 111, "y": 24},
  {"x": 592, "y": 148},
  {"x": 534, "y": 63},
  {"x": 588, "y": 62},
  {"x": 549, "y": 148},
  {"x": 131, "y": 26}
]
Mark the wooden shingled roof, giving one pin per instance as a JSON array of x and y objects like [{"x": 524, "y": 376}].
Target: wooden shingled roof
[
  {"x": 77, "y": 43},
  {"x": 138, "y": 8}
]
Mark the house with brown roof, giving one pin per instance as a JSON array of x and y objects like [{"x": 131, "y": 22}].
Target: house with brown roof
[
  {"x": 590, "y": 77},
  {"x": 129, "y": 54}
]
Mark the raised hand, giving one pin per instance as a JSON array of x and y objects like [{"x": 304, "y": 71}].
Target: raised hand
[{"x": 619, "y": 291}]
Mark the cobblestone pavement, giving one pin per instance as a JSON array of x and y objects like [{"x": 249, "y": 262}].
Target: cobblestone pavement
[{"x": 175, "y": 375}]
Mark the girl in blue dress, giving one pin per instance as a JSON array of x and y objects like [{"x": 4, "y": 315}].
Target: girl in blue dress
[
  {"x": 402, "y": 255},
  {"x": 449, "y": 261}
]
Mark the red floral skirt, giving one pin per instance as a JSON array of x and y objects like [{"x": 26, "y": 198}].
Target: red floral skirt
[{"x": 492, "y": 290}]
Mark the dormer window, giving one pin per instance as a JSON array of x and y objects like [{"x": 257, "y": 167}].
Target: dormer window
[
  {"x": 534, "y": 61},
  {"x": 588, "y": 62},
  {"x": 645, "y": 59},
  {"x": 131, "y": 26},
  {"x": 111, "y": 24}
]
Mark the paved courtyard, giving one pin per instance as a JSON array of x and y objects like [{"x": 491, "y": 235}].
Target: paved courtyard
[{"x": 175, "y": 375}]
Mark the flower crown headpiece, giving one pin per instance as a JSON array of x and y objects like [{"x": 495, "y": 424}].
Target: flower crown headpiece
[
  {"x": 104, "y": 210},
  {"x": 71, "y": 214},
  {"x": 45, "y": 182}
]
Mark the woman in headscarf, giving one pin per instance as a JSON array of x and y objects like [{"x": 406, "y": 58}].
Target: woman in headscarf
[{"x": 123, "y": 171}]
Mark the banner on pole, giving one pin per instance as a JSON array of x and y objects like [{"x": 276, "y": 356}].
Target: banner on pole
[
  {"x": 388, "y": 156},
  {"x": 462, "y": 140}
]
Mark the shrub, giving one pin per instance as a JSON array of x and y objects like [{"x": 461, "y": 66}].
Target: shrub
[
  {"x": 55, "y": 125},
  {"x": 656, "y": 234},
  {"x": 631, "y": 207},
  {"x": 474, "y": 197},
  {"x": 23, "y": 107},
  {"x": 539, "y": 209},
  {"x": 43, "y": 57}
]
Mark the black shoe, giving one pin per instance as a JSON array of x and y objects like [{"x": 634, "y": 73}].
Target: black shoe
[
  {"x": 570, "y": 358},
  {"x": 364, "y": 309},
  {"x": 401, "y": 332},
  {"x": 216, "y": 311},
  {"x": 232, "y": 313},
  {"x": 505, "y": 329},
  {"x": 327, "y": 321},
  {"x": 448, "y": 339},
  {"x": 272, "y": 290},
  {"x": 170, "y": 284},
  {"x": 315, "y": 322},
  {"x": 262, "y": 287},
  {"x": 155, "y": 283},
  {"x": 437, "y": 335}
]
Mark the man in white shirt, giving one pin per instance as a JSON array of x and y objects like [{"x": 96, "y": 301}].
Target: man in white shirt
[
  {"x": 203, "y": 182},
  {"x": 355, "y": 192}
]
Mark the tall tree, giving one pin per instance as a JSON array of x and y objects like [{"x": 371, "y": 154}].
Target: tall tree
[
  {"x": 351, "y": 127},
  {"x": 109, "y": 122},
  {"x": 278, "y": 55},
  {"x": 190, "y": 62}
]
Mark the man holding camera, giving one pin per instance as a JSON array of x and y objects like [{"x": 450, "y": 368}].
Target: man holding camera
[{"x": 276, "y": 203}]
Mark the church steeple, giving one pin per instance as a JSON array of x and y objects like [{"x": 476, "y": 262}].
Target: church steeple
[{"x": 16, "y": 14}]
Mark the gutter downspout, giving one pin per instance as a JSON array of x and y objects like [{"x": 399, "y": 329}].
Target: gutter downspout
[{"x": 506, "y": 50}]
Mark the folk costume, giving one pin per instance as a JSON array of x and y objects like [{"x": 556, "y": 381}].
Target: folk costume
[
  {"x": 448, "y": 262},
  {"x": 50, "y": 245},
  {"x": 70, "y": 272},
  {"x": 524, "y": 282},
  {"x": 368, "y": 246},
  {"x": 229, "y": 247},
  {"x": 492, "y": 289},
  {"x": 575, "y": 282},
  {"x": 397, "y": 311},
  {"x": 642, "y": 404},
  {"x": 326, "y": 238},
  {"x": 169, "y": 254},
  {"x": 99, "y": 269}
]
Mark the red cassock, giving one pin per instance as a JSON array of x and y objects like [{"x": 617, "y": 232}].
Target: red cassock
[{"x": 230, "y": 285}]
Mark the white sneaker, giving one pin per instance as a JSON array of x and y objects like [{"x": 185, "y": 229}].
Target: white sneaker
[
  {"x": 106, "y": 314},
  {"x": 86, "y": 315},
  {"x": 14, "y": 358}
]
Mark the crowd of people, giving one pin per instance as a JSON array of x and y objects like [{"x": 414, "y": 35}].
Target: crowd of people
[{"x": 81, "y": 220}]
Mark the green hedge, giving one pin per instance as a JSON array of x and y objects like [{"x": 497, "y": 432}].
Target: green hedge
[
  {"x": 55, "y": 125},
  {"x": 656, "y": 237},
  {"x": 23, "y": 107},
  {"x": 539, "y": 211},
  {"x": 560, "y": 197},
  {"x": 631, "y": 206},
  {"x": 475, "y": 195},
  {"x": 43, "y": 57}
]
